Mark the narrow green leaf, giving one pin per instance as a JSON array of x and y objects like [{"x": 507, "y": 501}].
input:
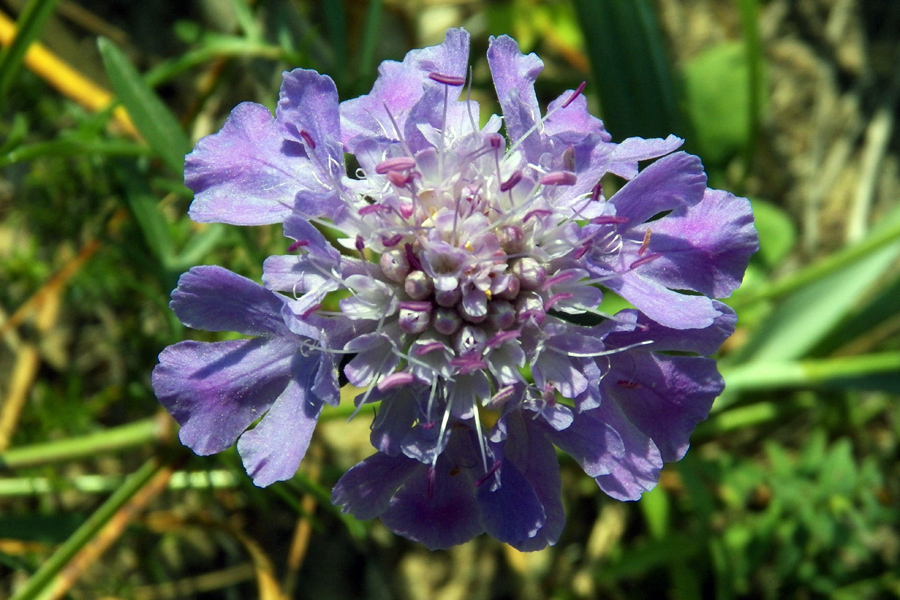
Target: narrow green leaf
[
  {"x": 151, "y": 117},
  {"x": 44, "y": 576},
  {"x": 637, "y": 88},
  {"x": 28, "y": 29},
  {"x": 336, "y": 24},
  {"x": 72, "y": 147},
  {"x": 370, "y": 41}
]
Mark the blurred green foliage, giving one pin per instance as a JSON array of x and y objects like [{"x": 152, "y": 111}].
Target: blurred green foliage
[{"x": 791, "y": 489}]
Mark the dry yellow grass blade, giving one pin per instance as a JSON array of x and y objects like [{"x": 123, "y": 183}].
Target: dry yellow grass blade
[{"x": 66, "y": 80}]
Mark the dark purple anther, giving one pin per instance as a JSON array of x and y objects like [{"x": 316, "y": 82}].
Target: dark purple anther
[
  {"x": 495, "y": 140},
  {"x": 398, "y": 163},
  {"x": 538, "y": 212},
  {"x": 390, "y": 242},
  {"x": 399, "y": 179},
  {"x": 308, "y": 139},
  {"x": 597, "y": 191},
  {"x": 510, "y": 183},
  {"x": 414, "y": 263},
  {"x": 446, "y": 79},
  {"x": 574, "y": 94},
  {"x": 610, "y": 220},
  {"x": 298, "y": 244},
  {"x": 360, "y": 243}
]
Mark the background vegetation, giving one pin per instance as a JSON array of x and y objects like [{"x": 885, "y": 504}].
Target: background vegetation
[{"x": 792, "y": 487}]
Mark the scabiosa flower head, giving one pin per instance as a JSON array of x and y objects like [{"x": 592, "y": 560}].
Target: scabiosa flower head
[{"x": 466, "y": 264}]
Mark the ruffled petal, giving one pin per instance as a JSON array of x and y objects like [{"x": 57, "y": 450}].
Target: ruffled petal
[
  {"x": 514, "y": 75},
  {"x": 671, "y": 182},
  {"x": 246, "y": 174},
  {"x": 624, "y": 161},
  {"x": 215, "y": 391},
  {"x": 512, "y": 512},
  {"x": 704, "y": 247},
  {"x": 399, "y": 87},
  {"x": 667, "y": 399},
  {"x": 272, "y": 450},
  {"x": 591, "y": 441},
  {"x": 365, "y": 490},
  {"x": 654, "y": 337},
  {"x": 667, "y": 307},
  {"x": 215, "y": 299}
]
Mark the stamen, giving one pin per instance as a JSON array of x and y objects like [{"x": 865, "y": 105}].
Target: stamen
[
  {"x": 495, "y": 140},
  {"x": 308, "y": 139},
  {"x": 297, "y": 244},
  {"x": 644, "y": 260},
  {"x": 414, "y": 263},
  {"x": 644, "y": 243},
  {"x": 429, "y": 347},
  {"x": 575, "y": 94},
  {"x": 468, "y": 363},
  {"x": 601, "y": 353},
  {"x": 502, "y": 337},
  {"x": 559, "y": 178},
  {"x": 510, "y": 183},
  {"x": 395, "y": 380},
  {"x": 447, "y": 79},
  {"x": 610, "y": 220},
  {"x": 398, "y": 163},
  {"x": 490, "y": 472},
  {"x": 540, "y": 212},
  {"x": 310, "y": 310},
  {"x": 399, "y": 179},
  {"x": 392, "y": 241},
  {"x": 557, "y": 298},
  {"x": 597, "y": 191},
  {"x": 373, "y": 208},
  {"x": 360, "y": 244},
  {"x": 501, "y": 396},
  {"x": 568, "y": 158},
  {"x": 558, "y": 278}
]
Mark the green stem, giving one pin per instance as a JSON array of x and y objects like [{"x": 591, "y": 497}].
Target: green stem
[
  {"x": 126, "y": 436},
  {"x": 761, "y": 375},
  {"x": 48, "y": 571},
  {"x": 820, "y": 269}
]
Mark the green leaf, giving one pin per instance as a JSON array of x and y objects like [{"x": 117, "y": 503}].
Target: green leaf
[
  {"x": 777, "y": 234},
  {"x": 151, "y": 117},
  {"x": 717, "y": 91},
  {"x": 28, "y": 29},
  {"x": 628, "y": 58}
]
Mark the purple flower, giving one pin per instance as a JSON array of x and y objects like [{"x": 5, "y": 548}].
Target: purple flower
[{"x": 467, "y": 263}]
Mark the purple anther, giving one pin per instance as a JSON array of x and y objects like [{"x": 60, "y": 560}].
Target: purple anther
[
  {"x": 597, "y": 191},
  {"x": 559, "y": 178},
  {"x": 502, "y": 337},
  {"x": 310, "y": 310},
  {"x": 644, "y": 260},
  {"x": 399, "y": 179},
  {"x": 490, "y": 472},
  {"x": 407, "y": 210},
  {"x": 575, "y": 94},
  {"x": 398, "y": 163},
  {"x": 510, "y": 183},
  {"x": 373, "y": 208},
  {"x": 582, "y": 250},
  {"x": 395, "y": 380},
  {"x": 298, "y": 244},
  {"x": 468, "y": 364},
  {"x": 495, "y": 140},
  {"x": 568, "y": 159},
  {"x": 561, "y": 277},
  {"x": 414, "y": 263},
  {"x": 360, "y": 243},
  {"x": 556, "y": 299},
  {"x": 390, "y": 242},
  {"x": 427, "y": 348},
  {"x": 446, "y": 79},
  {"x": 538, "y": 212},
  {"x": 308, "y": 139},
  {"x": 609, "y": 220}
]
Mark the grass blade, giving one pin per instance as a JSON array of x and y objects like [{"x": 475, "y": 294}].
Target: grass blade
[{"x": 28, "y": 28}]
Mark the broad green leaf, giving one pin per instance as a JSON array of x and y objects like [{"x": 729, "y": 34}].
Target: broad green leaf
[
  {"x": 777, "y": 234},
  {"x": 151, "y": 117},
  {"x": 637, "y": 88},
  {"x": 717, "y": 92}
]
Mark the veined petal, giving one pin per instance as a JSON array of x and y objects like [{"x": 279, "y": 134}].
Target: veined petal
[
  {"x": 399, "y": 87},
  {"x": 272, "y": 450},
  {"x": 215, "y": 391},
  {"x": 514, "y": 75},
  {"x": 671, "y": 182},
  {"x": 246, "y": 174},
  {"x": 672, "y": 395},
  {"x": 365, "y": 490},
  {"x": 624, "y": 161},
  {"x": 666, "y": 307},
  {"x": 215, "y": 299},
  {"x": 704, "y": 247}
]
